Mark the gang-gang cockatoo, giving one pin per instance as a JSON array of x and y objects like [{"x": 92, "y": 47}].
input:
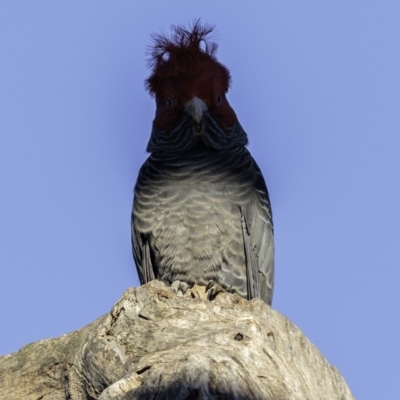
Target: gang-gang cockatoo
[{"x": 201, "y": 211}]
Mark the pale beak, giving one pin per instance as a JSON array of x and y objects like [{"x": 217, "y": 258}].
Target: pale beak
[{"x": 195, "y": 108}]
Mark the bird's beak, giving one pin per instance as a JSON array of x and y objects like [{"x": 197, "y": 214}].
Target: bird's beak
[{"x": 195, "y": 108}]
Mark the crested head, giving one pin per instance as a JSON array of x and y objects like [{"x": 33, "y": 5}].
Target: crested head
[
  {"x": 188, "y": 55},
  {"x": 187, "y": 78}
]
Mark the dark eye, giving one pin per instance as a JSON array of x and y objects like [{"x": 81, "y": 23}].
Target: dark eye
[
  {"x": 219, "y": 99},
  {"x": 168, "y": 102}
]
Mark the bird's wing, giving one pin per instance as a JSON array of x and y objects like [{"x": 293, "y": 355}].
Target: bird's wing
[
  {"x": 258, "y": 238},
  {"x": 142, "y": 255}
]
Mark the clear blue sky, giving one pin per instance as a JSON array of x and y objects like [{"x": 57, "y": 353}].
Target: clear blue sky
[{"x": 316, "y": 85}]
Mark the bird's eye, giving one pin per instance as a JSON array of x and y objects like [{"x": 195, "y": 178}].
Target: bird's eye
[
  {"x": 219, "y": 99},
  {"x": 168, "y": 102}
]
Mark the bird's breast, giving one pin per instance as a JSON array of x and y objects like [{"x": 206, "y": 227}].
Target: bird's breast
[
  {"x": 192, "y": 187},
  {"x": 188, "y": 208}
]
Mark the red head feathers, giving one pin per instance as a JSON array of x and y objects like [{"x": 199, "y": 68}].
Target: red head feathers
[
  {"x": 183, "y": 57},
  {"x": 183, "y": 67}
]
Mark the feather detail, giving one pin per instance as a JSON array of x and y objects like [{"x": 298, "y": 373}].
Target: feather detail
[{"x": 184, "y": 54}]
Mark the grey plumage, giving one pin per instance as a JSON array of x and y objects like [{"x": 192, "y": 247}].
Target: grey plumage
[{"x": 201, "y": 208}]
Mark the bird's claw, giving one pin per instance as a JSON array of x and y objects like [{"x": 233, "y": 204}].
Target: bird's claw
[
  {"x": 212, "y": 289},
  {"x": 177, "y": 286}
]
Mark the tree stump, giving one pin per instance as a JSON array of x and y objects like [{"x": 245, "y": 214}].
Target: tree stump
[{"x": 155, "y": 344}]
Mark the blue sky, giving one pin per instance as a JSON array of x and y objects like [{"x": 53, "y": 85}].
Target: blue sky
[{"x": 316, "y": 85}]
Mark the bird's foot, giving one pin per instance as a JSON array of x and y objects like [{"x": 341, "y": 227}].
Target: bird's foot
[
  {"x": 212, "y": 289},
  {"x": 179, "y": 286}
]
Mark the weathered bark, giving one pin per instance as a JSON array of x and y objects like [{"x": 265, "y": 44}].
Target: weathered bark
[{"x": 157, "y": 345}]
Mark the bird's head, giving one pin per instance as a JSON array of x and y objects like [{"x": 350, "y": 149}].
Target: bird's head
[{"x": 190, "y": 86}]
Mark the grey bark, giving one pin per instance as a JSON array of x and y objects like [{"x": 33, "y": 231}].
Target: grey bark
[{"x": 155, "y": 344}]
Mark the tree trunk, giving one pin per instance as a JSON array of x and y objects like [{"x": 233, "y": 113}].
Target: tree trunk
[{"x": 158, "y": 345}]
